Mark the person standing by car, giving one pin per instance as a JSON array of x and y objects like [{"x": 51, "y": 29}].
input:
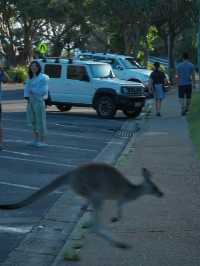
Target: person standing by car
[
  {"x": 36, "y": 91},
  {"x": 3, "y": 78},
  {"x": 185, "y": 75},
  {"x": 157, "y": 81}
]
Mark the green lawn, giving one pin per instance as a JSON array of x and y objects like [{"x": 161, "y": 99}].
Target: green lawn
[{"x": 194, "y": 121}]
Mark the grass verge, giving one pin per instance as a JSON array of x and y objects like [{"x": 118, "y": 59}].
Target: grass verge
[{"x": 194, "y": 121}]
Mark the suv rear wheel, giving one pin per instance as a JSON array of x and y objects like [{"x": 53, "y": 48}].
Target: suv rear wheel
[
  {"x": 106, "y": 107},
  {"x": 63, "y": 108},
  {"x": 132, "y": 113}
]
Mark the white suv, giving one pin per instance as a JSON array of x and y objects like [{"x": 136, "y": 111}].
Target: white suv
[
  {"x": 124, "y": 67},
  {"x": 89, "y": 83}
]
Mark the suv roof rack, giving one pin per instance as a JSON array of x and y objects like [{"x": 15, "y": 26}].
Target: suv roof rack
[{"x": 56, "y": 59}]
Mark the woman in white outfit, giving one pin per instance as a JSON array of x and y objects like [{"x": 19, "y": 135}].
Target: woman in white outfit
[{"x": 36, "y": 91}]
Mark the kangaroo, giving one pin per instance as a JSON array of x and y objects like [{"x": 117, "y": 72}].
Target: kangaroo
[{"x": 98, "y": 182}]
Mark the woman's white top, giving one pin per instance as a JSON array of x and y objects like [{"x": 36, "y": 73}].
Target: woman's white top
[{"x": 37, "y": 87}]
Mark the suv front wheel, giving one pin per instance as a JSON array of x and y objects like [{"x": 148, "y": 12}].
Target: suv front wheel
[
  {"x": 63, "y": 108},
  {"x": 106, "y": 107},
  {"x": 132, "y": 113}
]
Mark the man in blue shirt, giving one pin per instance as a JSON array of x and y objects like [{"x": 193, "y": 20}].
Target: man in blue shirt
[{"x": 185, "y": 80}]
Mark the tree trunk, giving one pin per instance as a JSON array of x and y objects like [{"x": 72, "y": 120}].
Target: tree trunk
[
  {"x": 171, "y": 59},
  {"x": 10, "y": 55}
]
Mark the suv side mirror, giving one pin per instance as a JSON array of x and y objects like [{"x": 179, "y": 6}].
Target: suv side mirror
[
  {"x": 118, "y": 67},
  {"x": 85, "y": 78}
]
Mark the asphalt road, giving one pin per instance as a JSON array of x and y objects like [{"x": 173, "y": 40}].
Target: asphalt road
[{"x": 76, "y": 137}]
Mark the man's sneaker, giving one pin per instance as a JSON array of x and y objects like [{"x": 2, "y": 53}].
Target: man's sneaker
[{"x": 1, "y": 147}]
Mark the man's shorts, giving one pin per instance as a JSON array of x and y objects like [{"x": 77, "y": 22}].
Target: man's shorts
[
  {"x": 185, "y": 91},
  {"x": 158, "y": 92}
]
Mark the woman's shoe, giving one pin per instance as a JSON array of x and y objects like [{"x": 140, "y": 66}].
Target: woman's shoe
[
  {"x": 33, "y": 143},
  {"x": 41, "y": 144}
]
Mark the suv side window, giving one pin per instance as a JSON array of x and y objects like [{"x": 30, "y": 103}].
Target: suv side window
[
  {"x": 112, "y": 61},
  {"x": 115, "y": 64},
  {"x": 77, "y": 73},
  {"x": 52, "y": 70}
]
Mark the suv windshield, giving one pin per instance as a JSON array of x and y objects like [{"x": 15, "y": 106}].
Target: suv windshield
[
  {"x": 129, "y": 62},
  {"x": 102, "y": 71}
]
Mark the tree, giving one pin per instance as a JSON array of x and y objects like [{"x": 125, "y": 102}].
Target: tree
[
  {"x": 171, "y": 18},
  {"x": 123, "y": 22},
  {"x": 8, "y": 31},
  {"x": 66, "y": 22}
]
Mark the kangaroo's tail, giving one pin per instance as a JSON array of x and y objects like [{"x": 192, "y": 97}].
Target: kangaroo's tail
[
  {"x": 146, "y": 174},
  {"x": 59, "y": 181}
]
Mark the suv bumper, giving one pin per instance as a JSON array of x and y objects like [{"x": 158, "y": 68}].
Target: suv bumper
[{"x": 125, "y": 102}]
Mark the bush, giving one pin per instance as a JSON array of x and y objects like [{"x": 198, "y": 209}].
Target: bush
[
  {"x": 18, "y": 73},
  {"x": 193, "y": 120}
]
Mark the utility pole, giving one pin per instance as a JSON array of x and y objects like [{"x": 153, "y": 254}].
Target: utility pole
[
  {"x": 198, "y": 46},
  {"x": 169, "y": 54}
]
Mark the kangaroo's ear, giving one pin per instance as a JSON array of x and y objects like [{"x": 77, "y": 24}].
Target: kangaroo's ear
[{"x": 146, "y": 173}]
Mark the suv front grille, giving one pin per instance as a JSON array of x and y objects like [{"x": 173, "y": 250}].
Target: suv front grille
[{"x": 133, "y": 91}]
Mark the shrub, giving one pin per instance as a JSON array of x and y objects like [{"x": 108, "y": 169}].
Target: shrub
[
  {"x": 193, "y": 120},
  {"x": 18, "y": 73}
]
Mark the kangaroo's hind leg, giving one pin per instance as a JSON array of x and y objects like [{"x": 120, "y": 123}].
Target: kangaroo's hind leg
[
  {"x": 119, "y": 213},
  {"x": 100, "y": 230}
]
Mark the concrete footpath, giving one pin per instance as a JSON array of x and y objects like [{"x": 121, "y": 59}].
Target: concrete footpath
[{"x": 162, "y": 232}]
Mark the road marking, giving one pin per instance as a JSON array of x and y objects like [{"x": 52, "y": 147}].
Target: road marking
[
  {"x": 50, "y": 145},
  {"x": 25, "y": 187},
  {"x": 17, "y": 230},
  {"x": 23, "y": 153},
  {"x": 36, "y": 161},
  {"x": 60, "y": 124},
  {"x": 110, "y": 131},
  {"x": 57, "y": 134}
]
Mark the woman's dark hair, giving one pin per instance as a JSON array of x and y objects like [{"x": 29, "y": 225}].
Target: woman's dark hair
[
  {"x": 29, "y": 69},
  {"x": 185, "y": 55},
  {"x": 156, "y": 65}
]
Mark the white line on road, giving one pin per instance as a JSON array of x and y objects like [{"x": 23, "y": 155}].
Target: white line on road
[
  {"x": 23, "y": 153},
  {"x": 56, "y": 134},
  {"x": 36, "y": 161},
  {"x": 78, "y": 126},
  {"x": 60, "y": 124},
  {"x": 18, "y": 230},
  {"x": 52, "y": 145},
  {"x": 24, "y": 186}
]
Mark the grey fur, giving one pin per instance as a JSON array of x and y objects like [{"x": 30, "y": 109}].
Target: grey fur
[{"x": 97, "y": 182}]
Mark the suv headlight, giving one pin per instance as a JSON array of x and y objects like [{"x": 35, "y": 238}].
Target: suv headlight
[
  {"x": 124, "y": 90},
  {"x": 146, "y": 83}
]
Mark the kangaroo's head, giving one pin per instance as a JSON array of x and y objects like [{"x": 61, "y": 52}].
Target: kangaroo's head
[{"x": 149, "y": 186}]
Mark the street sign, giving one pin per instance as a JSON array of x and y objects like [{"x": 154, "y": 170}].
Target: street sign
[{"x": 42, "y": 48}]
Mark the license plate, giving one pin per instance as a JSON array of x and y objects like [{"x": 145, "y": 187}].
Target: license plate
[{"x": 138, "y": 104}]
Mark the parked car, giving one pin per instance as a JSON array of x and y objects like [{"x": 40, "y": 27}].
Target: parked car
[
  {"x": 93, "y": 84},
  {"x": 124, "y": 67}
]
